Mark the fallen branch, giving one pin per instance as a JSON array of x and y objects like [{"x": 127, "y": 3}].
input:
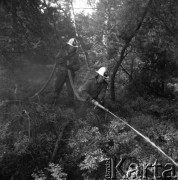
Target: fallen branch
[{"x": 61, "y": 131}]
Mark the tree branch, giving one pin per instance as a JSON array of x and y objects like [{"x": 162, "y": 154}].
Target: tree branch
[
  {"x": 61, "y": 131},
  {"x": 133, "y": 81}
]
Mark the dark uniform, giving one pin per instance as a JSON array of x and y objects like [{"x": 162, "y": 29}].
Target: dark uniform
[
  {"x": 62, "y": 73},
  {"x": 92, "y": 89}
]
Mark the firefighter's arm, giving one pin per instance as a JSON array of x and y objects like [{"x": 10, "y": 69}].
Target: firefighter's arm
[
  {"x": 102, "y": 94},
  {"x": 83, "y": 90},
  {"x": 60, "y": 56},
  {"x": 84, "y": 93},
  {"x": 86, "y": 96},
  {"x": 75, "y": 66}
]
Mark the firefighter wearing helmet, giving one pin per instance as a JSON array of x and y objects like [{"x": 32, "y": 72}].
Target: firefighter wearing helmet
[
  {"x": 94, "y": 89},
  {"x": 68, "y": 59}
]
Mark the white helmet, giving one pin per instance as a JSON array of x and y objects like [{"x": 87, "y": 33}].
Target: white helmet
[
  {"x": 73, "y": 42},
  {"x": 103, "y": 72}
]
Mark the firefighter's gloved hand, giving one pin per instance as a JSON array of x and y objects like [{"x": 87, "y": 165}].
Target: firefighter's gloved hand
[
  {"x": 95, "y": 102},
  {"x": 101, "y": 101}
]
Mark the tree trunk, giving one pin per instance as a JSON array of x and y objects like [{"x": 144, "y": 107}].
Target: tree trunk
[
  {"x": 58, "y": 141},
  {"x": 127, "y": 43},
  {"x": 131, "y": 80},
  {"x": 131, "y": 70},
  {"x": 112, "y": 87}
]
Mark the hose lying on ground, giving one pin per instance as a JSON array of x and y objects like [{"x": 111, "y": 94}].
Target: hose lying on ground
[{"x": 144, "y": 137}]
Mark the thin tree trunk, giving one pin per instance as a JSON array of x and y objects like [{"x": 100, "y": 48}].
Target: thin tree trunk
[
  {"x": 132, "y": 80},
  {"x": 58, "y": 141},
  {"x": 131, "y": 70},
  {"x": 127, "y": 43},
  {"x": 112, "y": 87}
]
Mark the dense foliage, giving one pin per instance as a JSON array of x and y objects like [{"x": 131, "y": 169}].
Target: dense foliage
[{"x": 137, "y": 41}]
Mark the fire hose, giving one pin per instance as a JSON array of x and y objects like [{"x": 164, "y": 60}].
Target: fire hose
[
  {"x": 123, "y": 121},
  {"x": 107, "y": 110},
  {"x": 72, "y": 84},
  {"x": 140, "y": 134}
]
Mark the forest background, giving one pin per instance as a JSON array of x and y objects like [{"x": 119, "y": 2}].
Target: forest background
[{"x": 138, "y": 42}]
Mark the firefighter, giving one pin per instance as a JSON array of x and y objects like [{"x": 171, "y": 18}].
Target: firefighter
[
  {"x": 94, "y": 90},
  {"x": 68, "y": 60}
]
